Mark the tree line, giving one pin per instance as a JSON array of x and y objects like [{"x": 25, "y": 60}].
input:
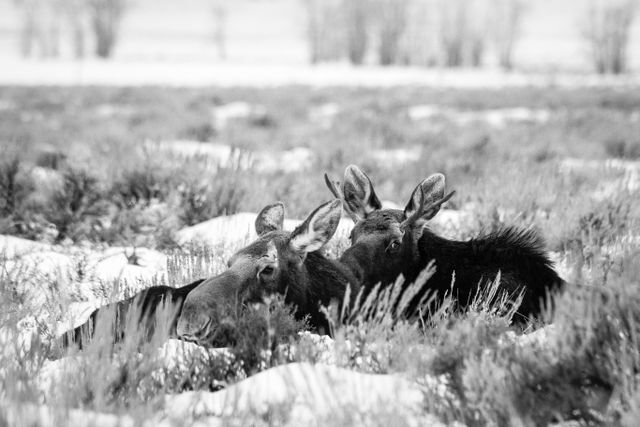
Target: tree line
[{"x": 447, "y": 33}]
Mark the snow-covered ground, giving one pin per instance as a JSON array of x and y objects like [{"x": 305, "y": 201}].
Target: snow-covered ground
[
  {"x": 225, "y": 74},
  {"x": 233, "y": 230},
  {"x": 75, "y": 273},
  {"x": 222, "y": 155},
  {"x": 497, "y": 118},
  {"x": 313, "y": 391}
]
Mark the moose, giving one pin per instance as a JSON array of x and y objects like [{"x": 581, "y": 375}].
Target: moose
[
  {"x": 278, "y": 262},
  {"x": 146, "y": 304},
  {"x": 388, "y": 242}
]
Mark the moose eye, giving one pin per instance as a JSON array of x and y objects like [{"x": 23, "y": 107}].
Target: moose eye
[
  {"x": 393, "y": 246},
  {"x": 267, "y": 271}
]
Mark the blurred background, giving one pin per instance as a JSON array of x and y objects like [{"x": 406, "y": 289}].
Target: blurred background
[
  {"x": 129, "y": 121},
  {"x": 536, "y": 35}
]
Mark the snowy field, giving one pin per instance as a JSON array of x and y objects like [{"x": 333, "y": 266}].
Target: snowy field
[
  {"x": 163, "y": 186},
  {"x": 189, "y": 74},
  {"x": 150, "y": 168}
]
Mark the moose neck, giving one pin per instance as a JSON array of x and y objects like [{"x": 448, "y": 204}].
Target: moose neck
[
  {"x": 359, "y": 262},
  {"x": 325, "y": 280}
]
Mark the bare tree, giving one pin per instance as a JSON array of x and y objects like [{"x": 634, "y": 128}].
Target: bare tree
[
  {"x": 417, "y": 41},
  {"x": 220, "y": 27},
  {"x": 325, "y": 30},
  {"x": 606, "y": 30},
  {"x": 40, "y": 32},
  {"x": 357, "y": 27},
  {"x": 106, "y": 17},
  {"x": 505, "y": 24},
  {"x": 462, "y": 32},
  {"x": 391, "y": 17}
]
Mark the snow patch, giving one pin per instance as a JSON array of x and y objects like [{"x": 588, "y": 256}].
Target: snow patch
[
  {"x": 17, "y": 414},
  {"x": 222, "y": 155},
  {"x": 123, "y": 72},
  {"x": 312, "y": 392},
  {"x": 392, "y": 157},
  {"x": 12, "y": 247},
  {"x": 451, "y": 223},
  {"x": 324, "y": 115},
  {"x": 223, "y": 115},
  {"x": 497, "y": 118},
  {"x": 294, "y": 160},
  {"x": 238, "y": 229}
]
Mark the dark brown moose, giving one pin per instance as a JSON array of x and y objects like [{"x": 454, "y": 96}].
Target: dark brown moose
[
  {"x": 279, "y": 262},
  {"x": 388, "y": 242}
]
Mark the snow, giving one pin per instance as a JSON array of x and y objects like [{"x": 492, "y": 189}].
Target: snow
[
  {"x": 497, "y": 118},
  {"x": 53, "y": 273},
  {"x": 220, "y": 154},
  {"x": 324, "y": 115},
  {"x": 19, "y": 414},
  {"x": 41, "y": 262},
  {"x": 113, "y": 264},
  {"x": 227, "y": 74},
  {"x": 75, "y": 314},
  {"x": 451, "y": 223},
  {"x": 314, "y": 392},
  {"x": 223, "y": 115},
  {"x": 395, "y": 157},
  {"x": 223, "y": 155},
  {"x": 11, "y": 247},
  {"x": 293, "y": 160},
  {"x": 238, "y": 229}
]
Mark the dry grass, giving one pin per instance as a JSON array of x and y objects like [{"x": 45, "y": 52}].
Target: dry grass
[{"x": 585, "y": 369}]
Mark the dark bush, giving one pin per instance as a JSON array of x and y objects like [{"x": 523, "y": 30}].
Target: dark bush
[
  {"x": 73, "y": 207},
  {"x": 221, "y": 195},
  {"x": 259, "y": 330},
  {"x": 622, "y": 149},
  {"x": 51, "y": 159},
  {"x": 10, "y": 187},
  {"x": 140, "y": 186}
]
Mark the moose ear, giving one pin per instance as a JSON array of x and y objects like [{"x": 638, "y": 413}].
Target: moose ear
[
  {"x": 359, "y": 196},
  {"x": 270, "y": 218},
  {"x": 427, "y": 198},
  {"x": 334, "y": 187},
  {"x": 318, "y": 228}
]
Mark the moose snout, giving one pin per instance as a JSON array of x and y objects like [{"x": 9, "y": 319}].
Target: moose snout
[{"x": 193, "y": 325}]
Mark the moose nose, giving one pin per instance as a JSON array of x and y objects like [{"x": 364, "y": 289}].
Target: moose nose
[{"x": 193, "y": 326}]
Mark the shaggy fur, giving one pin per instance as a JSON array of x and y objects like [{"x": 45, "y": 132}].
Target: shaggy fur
[{"x": 146, "y": 303}]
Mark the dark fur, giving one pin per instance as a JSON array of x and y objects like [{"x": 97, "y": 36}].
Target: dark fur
[
  {"x": 518, "y": 255},
  {"x": 327, "y": 283},
  {"x": 306, "y": 285},
  {"x": 278, "y": 262},
  {"x": 390, "y": 242},
  {"x": 146, "y": 302}
]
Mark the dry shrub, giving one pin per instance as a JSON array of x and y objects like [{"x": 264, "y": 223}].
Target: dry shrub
[
  {"x": 325, "y": 30},
  {"x": 462, "y": 32},
  {"x": 392, "y": 20},
  {"x": 106, "y": 17},
  {"x": 505, "y": 25},
  {"x": 606, "y": 30}
]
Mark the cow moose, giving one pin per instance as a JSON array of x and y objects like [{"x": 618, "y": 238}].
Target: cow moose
[
  {"x": 286, "y": 263},
  {"x": 146, "y": 305},
  {"x": 278, "y": 262},
  {"x": 388, "y": 242}
]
